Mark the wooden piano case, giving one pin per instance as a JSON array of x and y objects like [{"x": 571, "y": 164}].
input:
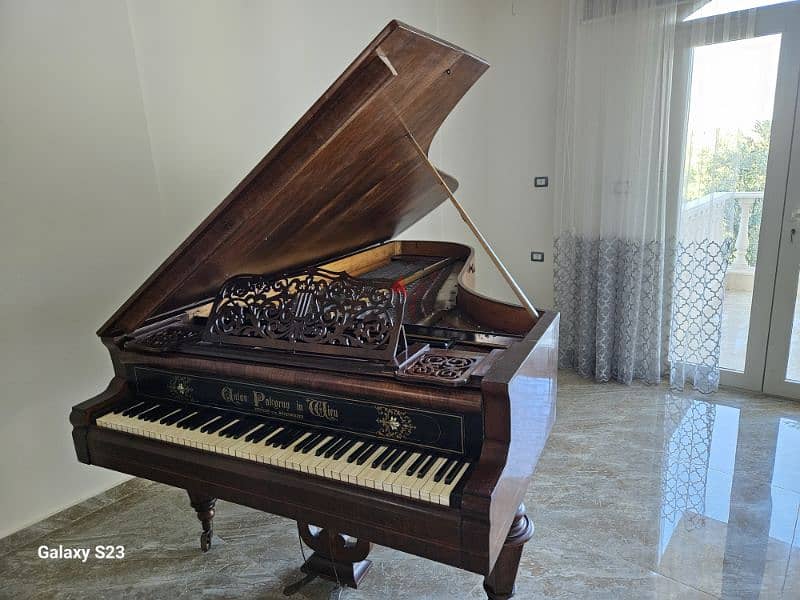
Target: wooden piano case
[{"x": 325, "y": 201}]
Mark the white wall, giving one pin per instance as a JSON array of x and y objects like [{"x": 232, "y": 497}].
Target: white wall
[
  {"x": 123, "y": 124},
  {"x": 521, "y": 45}
]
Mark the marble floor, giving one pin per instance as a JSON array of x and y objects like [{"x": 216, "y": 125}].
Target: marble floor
[{"x": 639, "y": 494}]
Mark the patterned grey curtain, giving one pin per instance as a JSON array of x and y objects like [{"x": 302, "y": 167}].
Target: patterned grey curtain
[
  {"x": 640, "y": 293},
  {"x": 609, "y": 292},
  {"x": 641, "y": 310}
]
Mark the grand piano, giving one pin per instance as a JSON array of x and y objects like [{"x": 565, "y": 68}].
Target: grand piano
[{"x": 293, "y": 357}]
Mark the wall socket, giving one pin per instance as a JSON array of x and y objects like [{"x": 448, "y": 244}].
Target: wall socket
[
  {"x": 541, "y": 181},
  {"x": 537, "y": 256}
]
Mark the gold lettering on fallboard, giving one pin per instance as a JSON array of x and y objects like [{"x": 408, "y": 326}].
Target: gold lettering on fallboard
[{"x": 321, "y": 409}]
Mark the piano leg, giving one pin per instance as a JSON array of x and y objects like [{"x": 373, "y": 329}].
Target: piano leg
[
  {"x": 499, "y": 584},
  {"x": 204, "y": 506},
  {"x": 336, "y": 557}
]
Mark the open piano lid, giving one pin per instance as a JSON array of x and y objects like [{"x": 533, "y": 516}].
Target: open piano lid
[{"x": 346, "y": 176}]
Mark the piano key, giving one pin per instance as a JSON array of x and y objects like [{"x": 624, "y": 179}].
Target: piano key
[
  {"x": 230, "y": 429},
  {"x": 344, "y": 449},
  {"x": 218, "y": 424},
  {"x": 415, "y": 465},
  {"x": 389, "y": 468},
  {"x": 335, "y": 448},
  {"x": 260, "y": 433},
  {"x": 160, "y": 411},
  {"x": 324, "y": 448},
  {"x": 367, "y": 454},
  {"x": 440, "y": 473},
  {"x": 308, "y": 443},
  {"x": 396, "y": 470},
  {"x": 399, "y": 461},
  {"x": 355, "y": 455},
  {"x": 312, "y": 447},
  {"x": 423, "y": 470},
  {"x": 381, "y": 457},
  {"x": 384, "y": 466},
  {"x": 137, "y": 408},
  {"x": 297, "y": 435},
  {"x": 175, "y": 417},
  {"x": 451, "y": 474},
  {"x": 424, "y": 491},
  {"x": 441, "y": 492}
]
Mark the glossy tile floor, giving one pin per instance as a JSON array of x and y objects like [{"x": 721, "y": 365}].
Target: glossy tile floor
[{"x": 640, "y": 493}]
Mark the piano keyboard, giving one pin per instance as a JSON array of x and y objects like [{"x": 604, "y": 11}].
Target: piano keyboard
[{"x": 428, "y": 477}]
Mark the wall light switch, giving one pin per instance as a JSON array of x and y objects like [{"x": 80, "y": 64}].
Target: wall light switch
[
  {"x": 541, "y": 181},
  {"x": 537, "y": 256}
]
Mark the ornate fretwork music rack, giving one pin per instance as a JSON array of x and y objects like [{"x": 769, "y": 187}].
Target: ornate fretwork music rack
[{"x": 315, "y": 311}]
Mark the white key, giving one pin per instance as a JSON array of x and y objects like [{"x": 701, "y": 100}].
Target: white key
[
  {"x": 423, "y": 491},
  {"x": 442, "y": 494},
  {"x": 396, "y": 483}
]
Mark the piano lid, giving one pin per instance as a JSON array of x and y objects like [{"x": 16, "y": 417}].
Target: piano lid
[{"x": 346, "y": 176}]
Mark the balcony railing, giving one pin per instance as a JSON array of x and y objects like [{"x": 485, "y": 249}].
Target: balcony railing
[{"x": 722, "y": 215}]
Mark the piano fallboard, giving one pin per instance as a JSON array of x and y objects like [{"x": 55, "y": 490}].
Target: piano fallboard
[{"x": 453, "y": 433}]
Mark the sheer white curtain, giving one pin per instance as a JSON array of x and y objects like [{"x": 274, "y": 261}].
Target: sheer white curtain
[{"x": 636, "y": 302}]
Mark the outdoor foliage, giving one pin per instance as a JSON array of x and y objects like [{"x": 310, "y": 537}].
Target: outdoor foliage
[{"x": 736, "y": 163}]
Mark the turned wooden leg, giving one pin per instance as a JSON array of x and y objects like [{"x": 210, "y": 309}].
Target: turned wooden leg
[
  {"x": 336, "y": 557},
  {"x": 203, "y": 504},
  {"x": 499, "y": 584}
]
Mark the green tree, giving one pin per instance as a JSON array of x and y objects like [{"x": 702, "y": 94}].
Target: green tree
[{"x": 736, "y": 163}]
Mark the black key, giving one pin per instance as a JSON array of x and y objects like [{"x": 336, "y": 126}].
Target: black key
[
  {"x": 201, "y": 418},
  {"x": 265, "y": 432},
  {"x": 343, "y": 449},
  {"x": 326, "y": 445},
  {"x": 381, "y": 457},
  {"x": 442, "y": 470},
  {"x": 242, "y": 427},
  {"x": 138, "y": 409},
  {"x": 301, "y": 445},
  {"x": 357, "y": 454},
  {"x": 143, "y": 415},
  {"x": 423, "y": 470},
  {"x": 277, "y": 440},
  {"x": 313, "y": 443},
  {"x": 260, "y": 433},
  {"x": 389, "y": 460},
  {"x": 217, "y": 425},
  {"x": 293, "y": 438},
  {"x": 367, "y": 454},
  {"x": 174, "y": 418},
  {"x": 190, "y": 415},
  {"x": 399, "y": 461},
  {"x": 333, "y": 449},
  {"x": 250, "y": 437},
  {"x": 126, "y": 412},
  {"x": 123, "y": 406},
  {"x": 158, "y": 412},
  {"x": 451, "y": 474},
  {"x": 415, "y": 465}
]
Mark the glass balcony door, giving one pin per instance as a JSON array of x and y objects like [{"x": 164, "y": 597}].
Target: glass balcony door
[
  {"x": 738, "y": 116},
  {"x": 782, "y": 372}
]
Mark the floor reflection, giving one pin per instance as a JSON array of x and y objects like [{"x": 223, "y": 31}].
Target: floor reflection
[{"x": 730, "y": 498}]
